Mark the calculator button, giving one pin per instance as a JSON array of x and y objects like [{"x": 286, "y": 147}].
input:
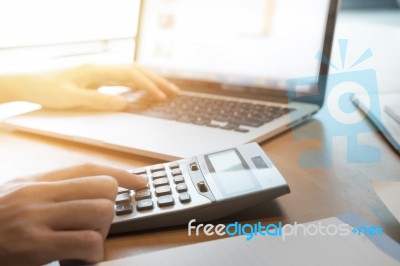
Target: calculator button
[
  {"x": 179, "y": 179},
  {"x": 164, "y": 190},
  {"x": 122, "y": 209},
  {"x": 174, "y": 165},
  {"x": 122, "y": 190},
  {"x": 194, "y": 167},
  {"x": 156, "y": 168},
  {"x": 138, "y": 171},
  {"x": 144, "y": 175},
  {"x": 160, "y": 182},
  {"x": 176, "y": 172},
  {"x": 159, "y": 174},
  {"x": 142, "y": 194},
  {"x": 181, "y": 187},
  {"x": 123, "y": 199},
  {"x": 202, "y": 186},
  {"x": 184, "y": 197},
  {"x": 143, "y": 205},
  {"x": 165, "y": 201}
]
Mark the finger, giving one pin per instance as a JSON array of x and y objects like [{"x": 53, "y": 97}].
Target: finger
[
  {"x": 124, "y": 178},
  {"x": 143, "y": 82},
  {"x": 85, "y": 245},
  {"x": 93, "y": 187},
  {"x": 168, "y": 87},
  {"x": 99, "y": 101},
  {"x": 123, "y": 76},
  {"x": 93, "y": 214}
]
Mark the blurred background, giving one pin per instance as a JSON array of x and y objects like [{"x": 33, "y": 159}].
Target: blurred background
[
  {"x": 34, "y": 32},
  {"x": 38, "y": 34}
]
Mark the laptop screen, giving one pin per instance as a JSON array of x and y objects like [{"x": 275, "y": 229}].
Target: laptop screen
[{"x": 251, "y": 43}]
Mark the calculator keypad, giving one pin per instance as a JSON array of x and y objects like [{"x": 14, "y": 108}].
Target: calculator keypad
[
  {"x": 181, "y": 188},
  {"x": 121, "y": 209},
  {"x": 122, "y": 190},
  {"x": 164, "y": 190},
  {"x": 143, "y": 205},
  {"x": 165, "y": 201},
  {"x": 174, "y": 165},
  {"x": 184, "y": 197},
  {"x": 139, "y": 171},
  {"x": 158, "y": 175},
  {"x": 142, "y": 194},
  {"x": 176, "y": 172},
  {"x": 123, "y": 199},
  {"x": 160, "y": 182},
  {"x": 164, "y": 181},
  {"x": 156, "y": 168},
  {"x": 178, "y": 179}
]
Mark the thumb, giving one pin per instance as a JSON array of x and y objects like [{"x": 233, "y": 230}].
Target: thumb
[{"x": 100, "y": 101}]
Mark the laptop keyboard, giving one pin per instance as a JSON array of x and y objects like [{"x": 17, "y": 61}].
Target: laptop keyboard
[{"x": 217, "y": 113}]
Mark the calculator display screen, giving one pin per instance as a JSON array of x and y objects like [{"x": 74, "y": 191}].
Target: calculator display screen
[{"x": 231, "y": 172}]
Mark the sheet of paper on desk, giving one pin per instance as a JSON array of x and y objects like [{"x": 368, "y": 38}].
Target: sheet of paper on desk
[
  {"x": 389, "y": 193},
  {"x": 393, "y": 111},
  {"x": 351, "y": 249}
]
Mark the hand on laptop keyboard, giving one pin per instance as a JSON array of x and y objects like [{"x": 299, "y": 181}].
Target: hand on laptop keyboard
[{"x": 75, "y": 87}]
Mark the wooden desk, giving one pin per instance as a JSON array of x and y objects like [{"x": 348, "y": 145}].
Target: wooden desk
[{"x": 316, "y": 193}]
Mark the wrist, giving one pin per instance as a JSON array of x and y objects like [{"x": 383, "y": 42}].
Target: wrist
[{"x": 11, "y": 86}]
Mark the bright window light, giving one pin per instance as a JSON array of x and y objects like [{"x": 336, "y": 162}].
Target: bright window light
[
  {"x": 38, "y": 35},
  {"x": 39, "y": 22}
]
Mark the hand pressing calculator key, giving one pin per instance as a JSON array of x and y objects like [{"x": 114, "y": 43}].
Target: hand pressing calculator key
[{"x": 204, "y": 187}]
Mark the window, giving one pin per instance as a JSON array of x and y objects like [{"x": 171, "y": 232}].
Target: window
[
  {"x": 48, "y": 29},
  {"x": 347, "y": 4}
]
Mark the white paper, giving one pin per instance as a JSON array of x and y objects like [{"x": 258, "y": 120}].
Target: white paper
[
  {"x": 389, "y": 193},
  {"x": 318, "y": 250},
  {"x": 393, "y": 111}
]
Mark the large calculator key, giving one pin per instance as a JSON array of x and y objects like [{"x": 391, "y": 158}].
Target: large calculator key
[
  {"x": 202, "y": 186},
  {"x": 142, "y": 194},
  {"x": 122, "y": 209},
  {"x": 181, "y": 187},
  {"x": 165, "y": 201},
  {"x": 160, "y": 182},
  {"x": 194, "y": 167},
  {"x": 176, "y": 172},
  {"x": 159, "y": 175},
  {"x": 139, "y": 171},
  {"x": 179, "y": 179},
  {"x": 123, "y": 199},
  {"x": 184, "y": 198},
  {"x": 143, "y": 205},
  {"x": 156, "y": 168},
  {"x": 164, "y": 190},
  {"x": 174, "y": 165}
]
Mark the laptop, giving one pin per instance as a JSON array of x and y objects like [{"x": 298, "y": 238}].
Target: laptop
[{"x": 231, "y": 58}]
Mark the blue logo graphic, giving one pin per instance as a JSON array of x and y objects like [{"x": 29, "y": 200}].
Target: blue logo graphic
[
  {"x": 340, "y": 115},
  {"x": 368, "y": 231}
]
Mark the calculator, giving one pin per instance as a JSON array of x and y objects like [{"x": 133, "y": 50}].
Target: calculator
[{"x": 204, "y": 187}]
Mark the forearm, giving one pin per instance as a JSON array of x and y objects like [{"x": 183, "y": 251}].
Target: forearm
[
  {"x": 16, "y": 87},
  {"x": 76, "y": 87}
]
